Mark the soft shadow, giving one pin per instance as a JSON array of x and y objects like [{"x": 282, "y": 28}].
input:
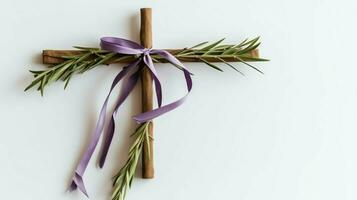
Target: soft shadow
[
  {"x": 37, "y": 59},
  {"x": 22, "y": 82}
]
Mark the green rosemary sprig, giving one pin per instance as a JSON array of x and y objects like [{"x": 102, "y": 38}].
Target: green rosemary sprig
[
  {"x": 223, "y": 53},
  {"x": 89, "y": 58},
  {"x": 123, "y": 179}
]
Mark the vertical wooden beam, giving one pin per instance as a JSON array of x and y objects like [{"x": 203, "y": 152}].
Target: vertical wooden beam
[{"x": 147, "y": 92}]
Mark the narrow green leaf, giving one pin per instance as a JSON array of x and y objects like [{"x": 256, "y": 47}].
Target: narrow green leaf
[
  {"x": 230, "y": 65},
  {"x": 58, "y": 74},
  {"x": 211, "y": 65},
  {"x": 249, "y": 64},
  {"x": 230, "y": 51},
  {"x": 223, "y": 47},
  {"x": 103, "y": 60},
  {"x": 234, "y": 48},
  {"x": 67, "y": 81},
  {"x": 212, "y": 45},
  {"x": 147, "y": 142},
  {"x": 188, "y": 49},
  {"x": 198, "y": 45},
  {"x": 33, "y": 83},
  {"x": 36, "y": 72},
  {"x": 251, "y": 42},
  {"x": 85, "y": 48},
  {"x": 242, "y": 43},
  {"x": 70, "y": 56},
  {"x": 250, "y": 58},
  {"x": 43, "y": 81},
  {"x": 124, "y": 178},
  {"x": 81, "y": 58},
  {"x": 248, "y": 49},
  {"x": 121, "y": 58}
]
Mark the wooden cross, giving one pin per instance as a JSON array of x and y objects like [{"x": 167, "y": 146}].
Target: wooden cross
[{"x": 53, "y": 57}]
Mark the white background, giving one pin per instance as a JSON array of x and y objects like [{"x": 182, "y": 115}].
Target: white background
[{"x": 288, "y": 134}]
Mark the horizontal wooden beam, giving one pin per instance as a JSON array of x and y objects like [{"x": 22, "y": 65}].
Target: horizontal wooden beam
[{"x": 52, "y": 56}]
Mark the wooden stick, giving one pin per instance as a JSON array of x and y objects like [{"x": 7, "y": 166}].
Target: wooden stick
[
  {"x": 51, "y": 56},
  {"x": 147, "y": 92}
]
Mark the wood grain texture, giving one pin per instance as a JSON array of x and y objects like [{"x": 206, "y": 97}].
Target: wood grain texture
[
  {"x": 51, "y": 56},
  {"x": 147, "y": 93}
]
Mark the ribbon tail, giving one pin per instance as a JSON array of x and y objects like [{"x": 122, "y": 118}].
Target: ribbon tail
[
  {"x": 77, "y": 182},
  {"x": 81, "y": 167},
  {"x": 127, "y": 87},
  {"x": 158, "y": 91},
  {"x": 148, "y": 61},
  {"x": 109, "y": 133},
  {"x": 149, "y": 115}
]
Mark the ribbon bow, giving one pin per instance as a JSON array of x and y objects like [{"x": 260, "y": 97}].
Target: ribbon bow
[{"x": 127, "y": 47}]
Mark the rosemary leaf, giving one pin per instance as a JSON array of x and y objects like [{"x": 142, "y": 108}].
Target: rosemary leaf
[
  {"x": 124, "y": 178},
  {"x": 230, "y": 65},
  {"x": 86, "y": 48},
  {"x": 250, "y": 58},
  {"x": 67, "y": 81},
  {"x": 209, "y": 47},
  {"x": 198, "y": 45},
  {"x": 249, "y": 48},
  {"x": 34, "y": 82},
  {"x": 241, "y": 60},
  {"x": 195, "y": 46},
  {"x": 211, "y": 65},
  {"x": 43, "y": 84}
]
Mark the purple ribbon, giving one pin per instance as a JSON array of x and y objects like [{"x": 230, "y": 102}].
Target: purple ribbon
[{"x": 131, "y": 75}]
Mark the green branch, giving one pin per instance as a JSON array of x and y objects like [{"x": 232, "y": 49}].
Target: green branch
[
  {"x": 124, "y": 178},
  {"x": 90, "y": 58}
]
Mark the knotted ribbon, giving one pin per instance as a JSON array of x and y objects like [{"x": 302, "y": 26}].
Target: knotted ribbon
[{"x": 131, "y": 73}]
